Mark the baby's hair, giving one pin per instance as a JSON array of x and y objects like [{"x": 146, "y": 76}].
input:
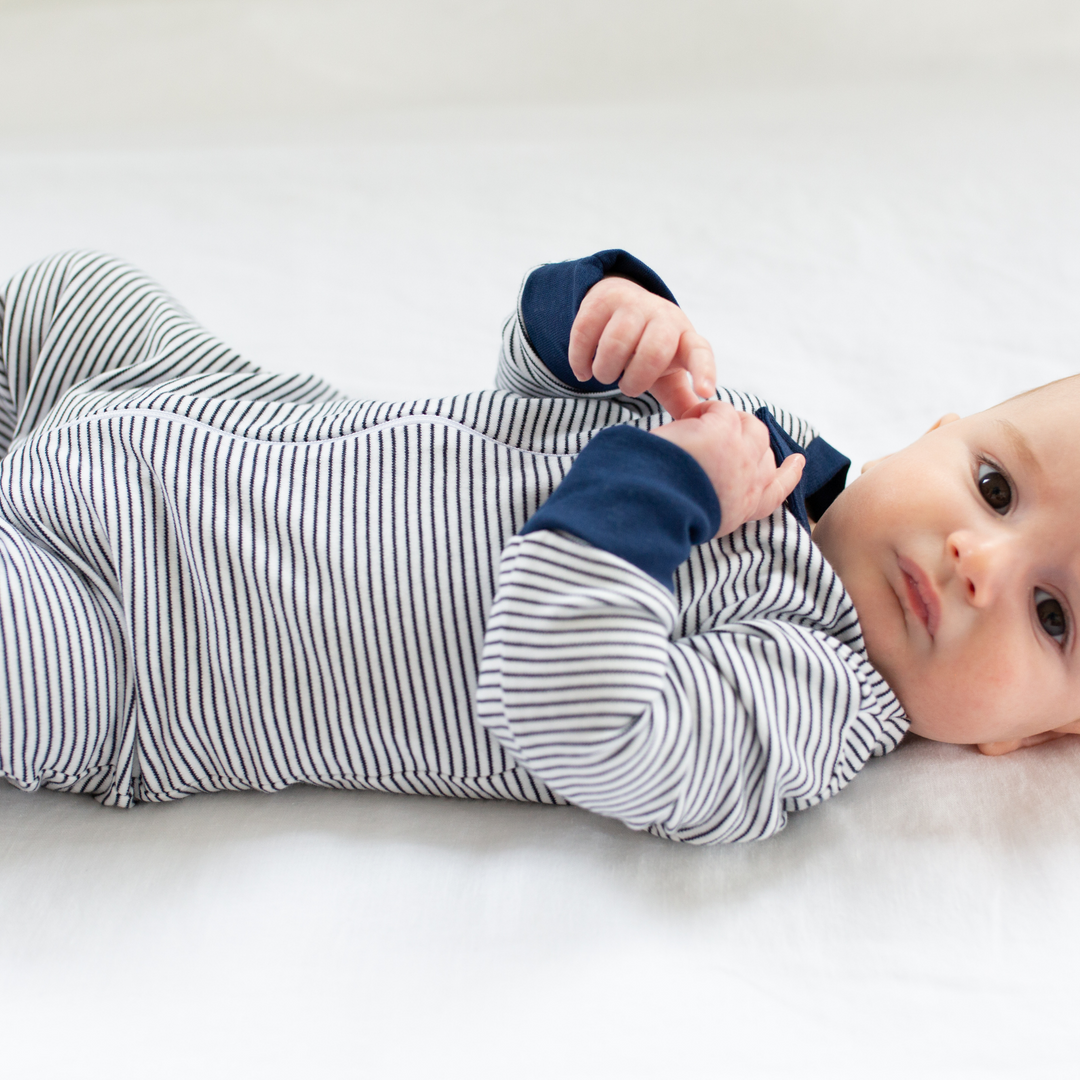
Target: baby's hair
[{"x": 1041, "y": 389}]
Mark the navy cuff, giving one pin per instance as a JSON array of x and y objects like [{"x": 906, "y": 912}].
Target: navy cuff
[
  {"x": 553, "y": 294},
  {"x": 824, "y": 474},
  {"x": 639, "y": 497}
]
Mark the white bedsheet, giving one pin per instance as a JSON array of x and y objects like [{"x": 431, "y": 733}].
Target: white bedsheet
[{"x": 870, "y": 257}]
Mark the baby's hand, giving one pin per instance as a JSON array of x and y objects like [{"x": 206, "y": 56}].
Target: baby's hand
[
  {"x": 733, "y": 449},
  {"x": 625, "y": 332}
]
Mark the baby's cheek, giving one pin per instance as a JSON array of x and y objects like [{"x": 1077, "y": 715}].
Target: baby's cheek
[{"x": 975, "y": 695}]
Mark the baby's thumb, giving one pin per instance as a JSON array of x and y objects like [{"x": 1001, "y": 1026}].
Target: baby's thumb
[
  {"x": 789, "y": 474},
  {"x": 779, "y": 487}
]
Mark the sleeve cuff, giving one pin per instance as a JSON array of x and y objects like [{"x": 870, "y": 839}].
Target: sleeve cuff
[
  {"x": 551, "y": 298},
  {"x": 637, "y": 496},
  {"x": 823, "y": 477}
]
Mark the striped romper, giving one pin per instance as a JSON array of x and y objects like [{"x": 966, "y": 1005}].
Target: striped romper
[{"x": 216, "y": 578}]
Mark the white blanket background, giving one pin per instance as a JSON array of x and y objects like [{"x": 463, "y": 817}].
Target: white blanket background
[{"x": 874, "y": 215}]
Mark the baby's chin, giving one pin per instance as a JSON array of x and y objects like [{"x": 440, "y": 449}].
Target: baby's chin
[
  {"x": 947, "y": 721},
  {"x": 947, "y": 710},
  {"x": 962, "y": 726},
  {"x": 939, "y": 729}
]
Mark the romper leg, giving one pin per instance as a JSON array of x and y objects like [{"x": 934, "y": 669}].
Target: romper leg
[
  {"x": 90, "y": 320},
  {"x": 78, "y": 331},
  {"x": 79, "y": 314},
  {"x": 63, "y": 684}
]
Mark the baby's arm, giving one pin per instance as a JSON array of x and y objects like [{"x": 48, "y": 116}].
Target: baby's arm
[
  {"x": 710, "y": 738},
  {"x": 707, "y": 738}
]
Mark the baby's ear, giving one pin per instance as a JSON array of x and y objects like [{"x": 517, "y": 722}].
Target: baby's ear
[
  {"x": 868, "y": 465},
  {"x": 948, "y": 418}
]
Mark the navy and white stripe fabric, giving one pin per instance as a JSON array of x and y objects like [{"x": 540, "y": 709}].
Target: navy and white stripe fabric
[{"x": 214, "y": 578}]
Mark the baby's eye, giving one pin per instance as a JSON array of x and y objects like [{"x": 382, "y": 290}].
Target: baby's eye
[
  {"x": 1051, "y": 615},
  {"x": 994, "y": 488}
]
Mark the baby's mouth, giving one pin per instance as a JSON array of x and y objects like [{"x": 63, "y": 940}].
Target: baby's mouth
[{"x": 921, "y": 597}]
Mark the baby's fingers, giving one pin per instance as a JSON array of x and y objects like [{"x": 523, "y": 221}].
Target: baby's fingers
[
  {"x": 657, "y": 345},
  {"x": 589, "y": 324},
  {"x": 675, "y": 395},
  {"x": 618, "y": 344},
  {"x": 696, "y": 356}
]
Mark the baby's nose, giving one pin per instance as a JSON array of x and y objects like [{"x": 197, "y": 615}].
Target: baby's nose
[{"x": 982, "y": 561}]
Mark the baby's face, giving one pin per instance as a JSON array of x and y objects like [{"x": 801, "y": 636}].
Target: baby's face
[{"x": 962, "y": 556}]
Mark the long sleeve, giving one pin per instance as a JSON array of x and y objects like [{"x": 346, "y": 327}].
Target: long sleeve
[
  {"x": 706, "y": 736},
  {"x": 709, "y": 738},
  {"x": 534, "y": 360}
]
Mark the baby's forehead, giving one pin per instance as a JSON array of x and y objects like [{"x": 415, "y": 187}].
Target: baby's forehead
[
  {"x": 1054, "y": 402},
  {"x": 1045, "y": 421}
]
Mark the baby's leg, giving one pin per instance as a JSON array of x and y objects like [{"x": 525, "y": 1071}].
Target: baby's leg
[
  {"x": 66, "y": 319},
  {"x": 73, "y": 329},
  {"x": 64, "y": 696},
  {"x": 90, "y": 320}
]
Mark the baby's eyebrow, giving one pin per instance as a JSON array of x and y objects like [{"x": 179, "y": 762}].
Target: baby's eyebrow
[{"x": 1020, "y": 446}]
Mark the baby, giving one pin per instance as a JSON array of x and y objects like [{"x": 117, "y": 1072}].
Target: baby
[{"x": 216, "y": 578}]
